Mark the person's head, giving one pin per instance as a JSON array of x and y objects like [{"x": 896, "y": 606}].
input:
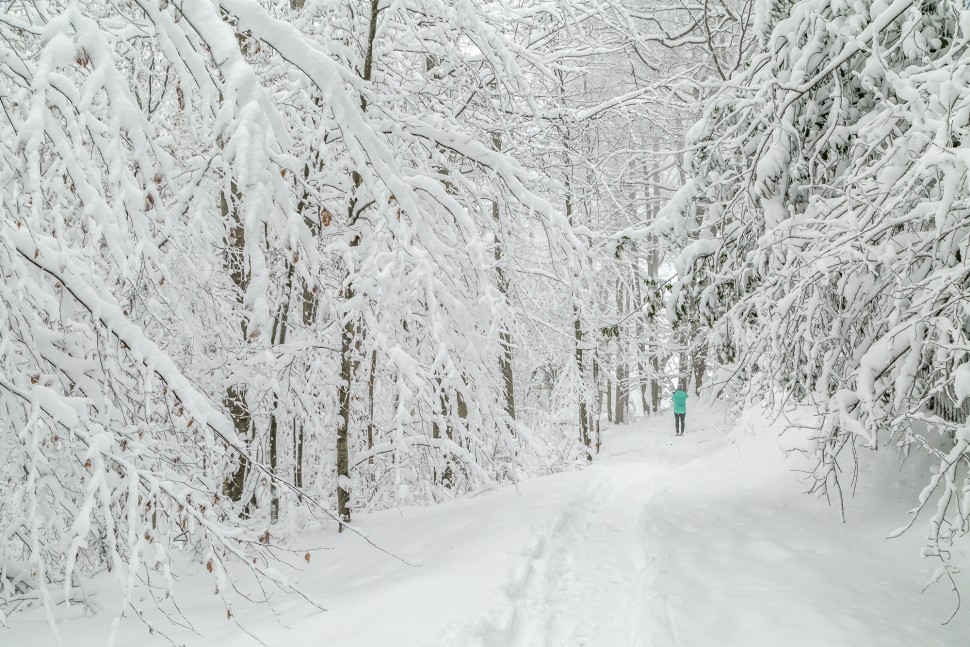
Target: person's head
[{"x": 681, "y": 386}]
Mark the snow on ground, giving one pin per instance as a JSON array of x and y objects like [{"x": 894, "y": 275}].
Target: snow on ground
[
  {"x": 706, "y": 540},
  {"x": 703, "y": 540},
  {"x": 460, "y": 554}
]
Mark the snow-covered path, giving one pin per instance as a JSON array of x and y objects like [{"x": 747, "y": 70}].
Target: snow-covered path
[
  {"x": 699, "y": 541},
  {"x": 586, "y": 583},
  {"x": 706, "y": 540}
]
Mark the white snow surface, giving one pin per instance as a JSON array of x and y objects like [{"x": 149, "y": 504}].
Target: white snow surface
[{"x": 703, "y": 540}]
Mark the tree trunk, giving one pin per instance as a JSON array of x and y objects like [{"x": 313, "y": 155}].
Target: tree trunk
[
  {"x": 348, "y": 340},
  {"x": 308, "y": 309},
  {"x": 619, "y": 416},
  {"x": 584, "y": 421},
  {"x": 370, "y": 403},
  {"x": 235, "y": 399},
  {"x": 348, "y": 347},
  {"x": 447, "y": 477},
  {"x": 279, "y": 338},
  {"x": 610, "y": 402},
  {"x": 683, "y": 366},
  {"x": 642, "y": 362},
  {"x": 343, "y": 423},
  {"x": 654, "y": 257},
  {"x": 235, "y": 405},
  {"x": 584, "y": 426},
  {"x": 699, "y": 365},
  {"x": 505, "y": 336},
  {"x": 598, "y": 413},
  {"x": 309, "y": 304},
  {"x": 298, "y": 454},
  {"x": 698, "y": 370}
]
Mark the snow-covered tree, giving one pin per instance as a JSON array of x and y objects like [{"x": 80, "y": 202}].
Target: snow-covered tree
[
  {"x": 287, "y": 261},
  {"x": 827, "y": 196},
  {"x": 122, "y": 126},
  {"x": 254, "y": 257}
]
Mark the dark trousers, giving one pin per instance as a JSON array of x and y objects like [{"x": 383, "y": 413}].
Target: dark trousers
[{"x": 679, "y": 423}]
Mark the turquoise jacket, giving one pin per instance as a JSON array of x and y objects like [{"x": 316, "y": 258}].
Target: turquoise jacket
[{"x": 680, "y": 401}]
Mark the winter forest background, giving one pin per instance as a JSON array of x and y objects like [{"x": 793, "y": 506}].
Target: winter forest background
[{"x": 268, "y": 265}]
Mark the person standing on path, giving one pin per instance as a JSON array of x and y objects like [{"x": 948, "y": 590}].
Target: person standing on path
[{"x": 680, "y": 410}]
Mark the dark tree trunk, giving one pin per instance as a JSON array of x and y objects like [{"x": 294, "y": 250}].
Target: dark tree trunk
[
  {"x": 235, "y": 486},
  {"x": 348, "y": 347},
  {"x": 610, "y": 406},
  {"x": 235, "y": 399},
  {"x": 619, "y": 415},
  {"x": 298, "y": 454},
  {"x": 447, "y": 476},
  {"x": 642, "y": 361},
  {"x": 279, "y": 338},
  {"x": 505, "y": 359},
  {"x": 370, "y": 403},
  {"x": 584, "y": 422},
  {"x": 699, "y": 365},
  {"x": 348, "y": 339}
]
